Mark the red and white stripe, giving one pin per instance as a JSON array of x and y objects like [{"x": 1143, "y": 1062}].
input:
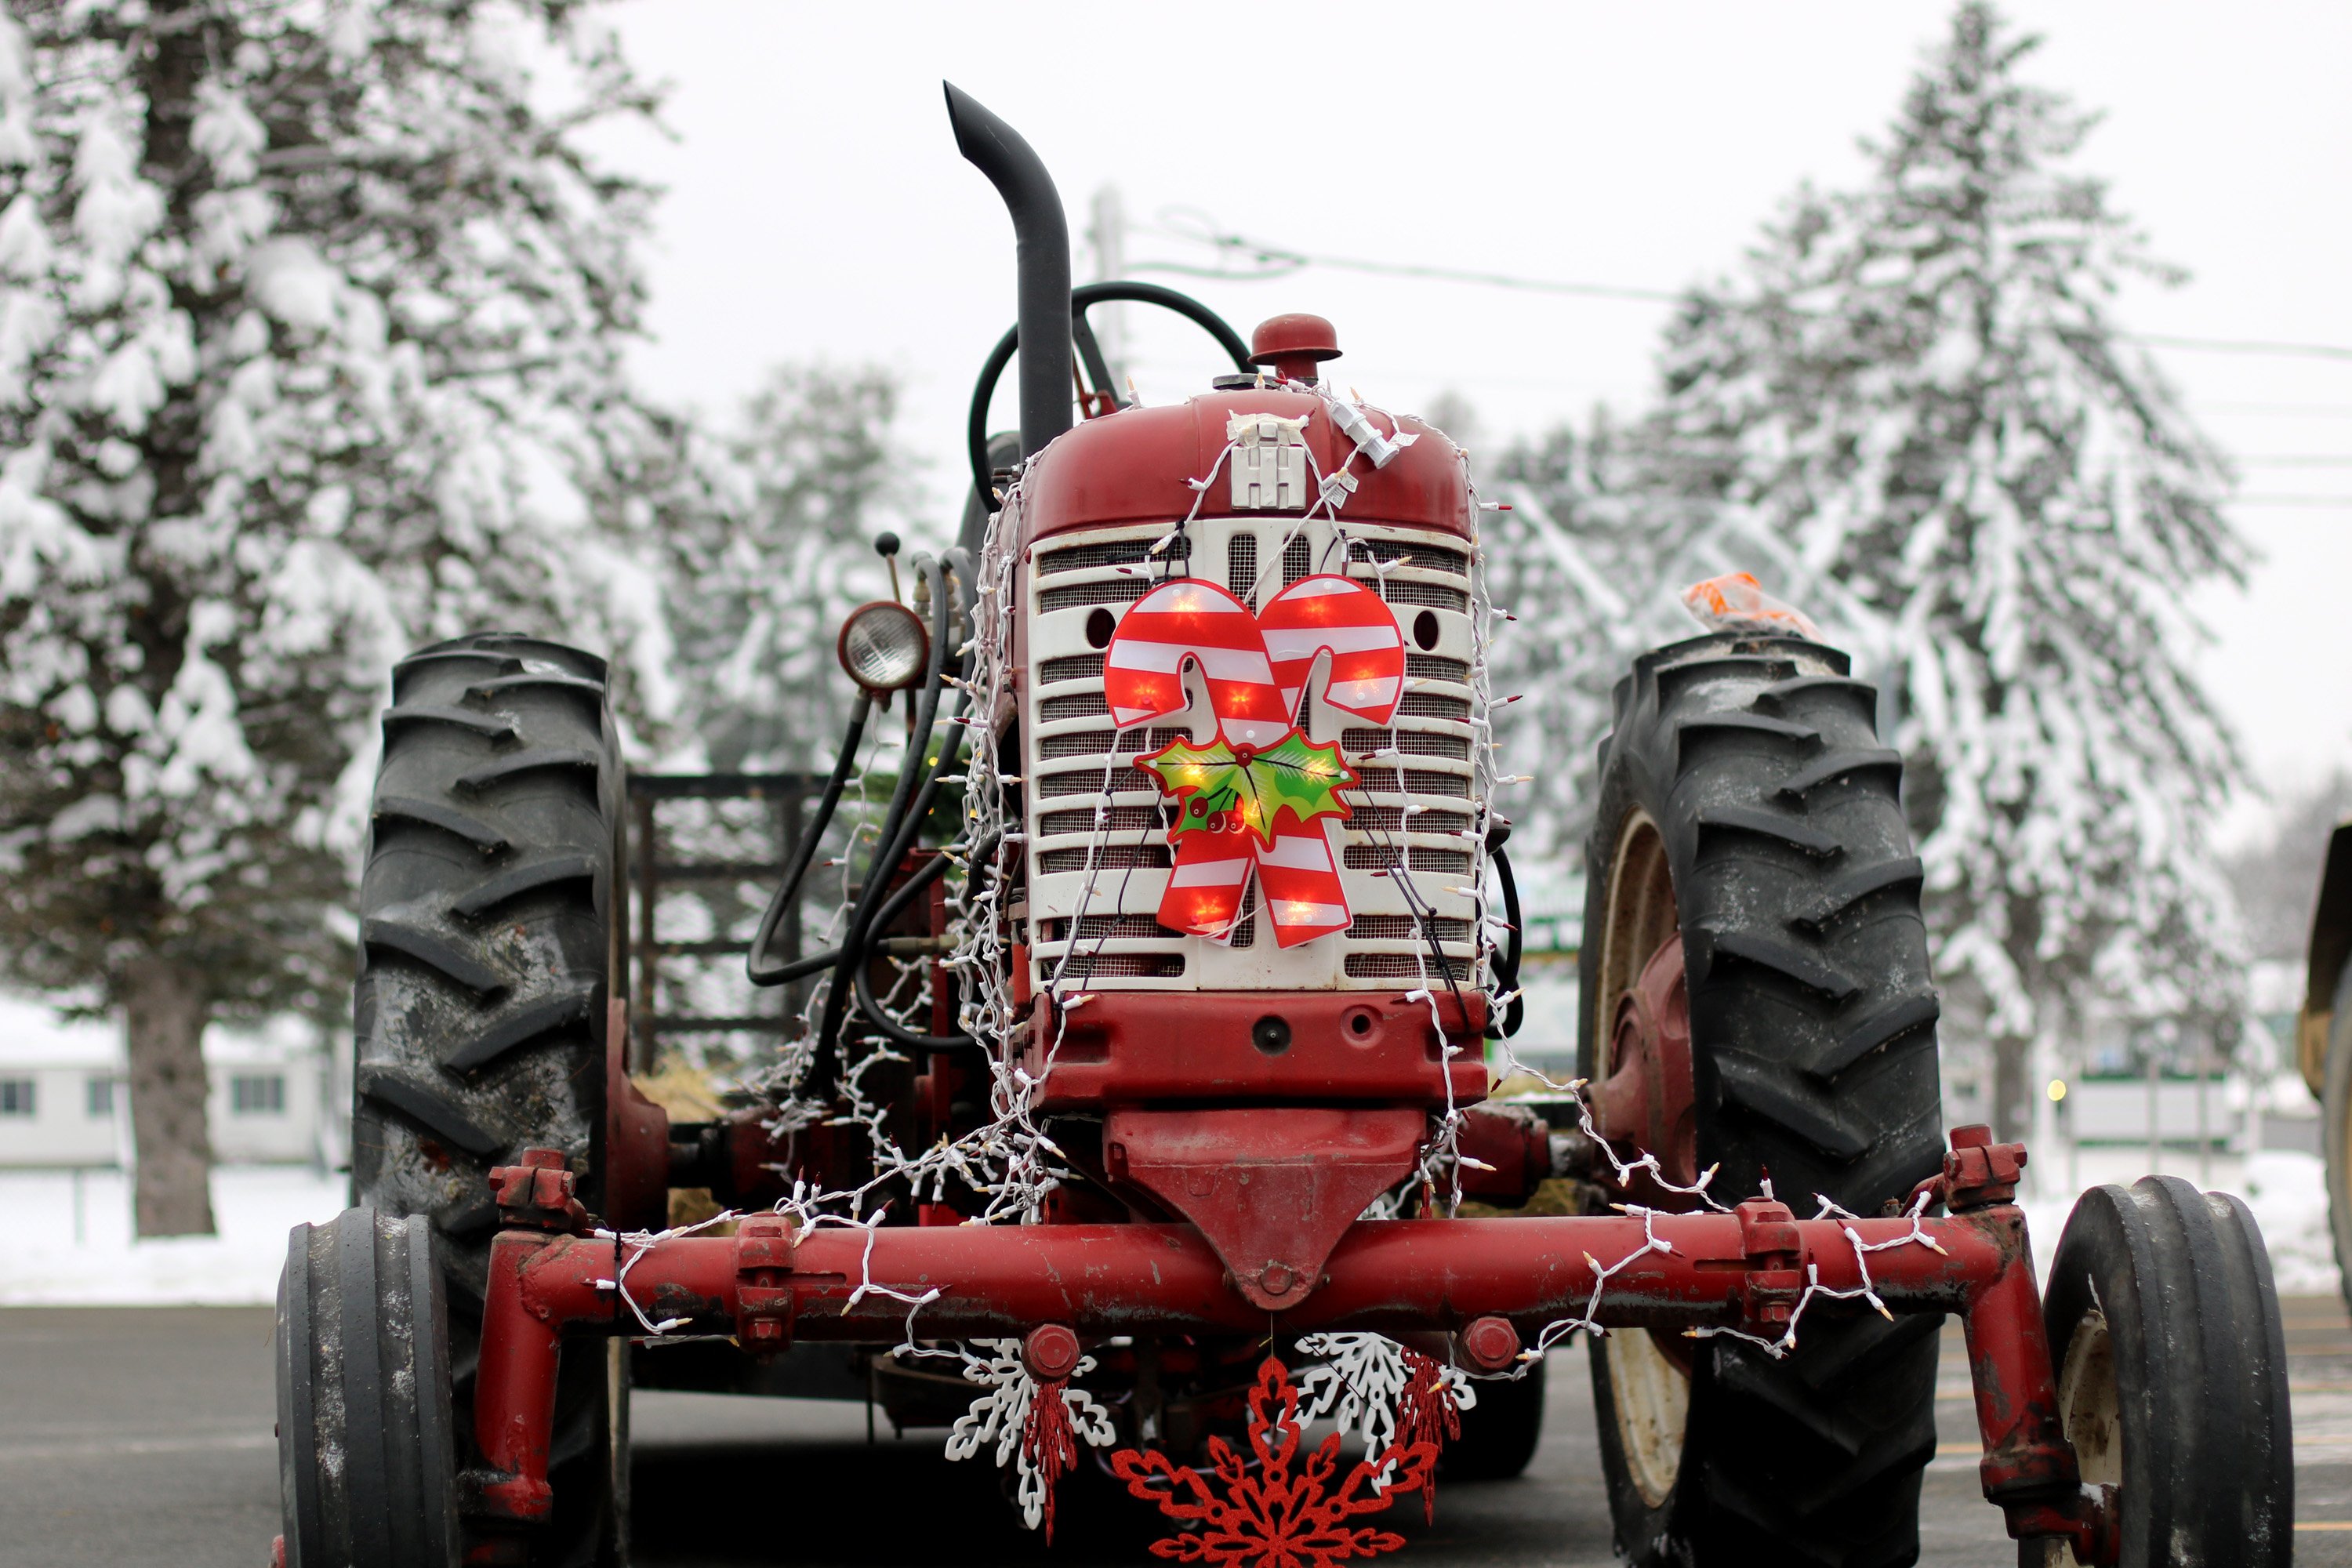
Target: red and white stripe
[
  {"x": 1328, "y": 613},
  {"x": 1195, "y": 620},
  {"x": 1207, "y": 882},
  {"x": 1297, "y": 879},
  {"x": 1301, "y": 889}
]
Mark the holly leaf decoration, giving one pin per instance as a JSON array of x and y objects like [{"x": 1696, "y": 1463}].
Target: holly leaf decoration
[{"x": 1221, "y": 790}]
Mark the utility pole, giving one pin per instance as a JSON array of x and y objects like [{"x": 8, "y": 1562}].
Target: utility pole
[{"x": 1106, "y": 235}]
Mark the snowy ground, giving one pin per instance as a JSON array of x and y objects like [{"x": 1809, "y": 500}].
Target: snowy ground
[
  {"x": 2288, "y": 1196},
  {"x": 256, "y": 1204}
]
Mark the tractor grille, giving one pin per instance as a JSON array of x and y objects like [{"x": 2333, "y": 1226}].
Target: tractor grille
[{"x": 1101, "y": 928}]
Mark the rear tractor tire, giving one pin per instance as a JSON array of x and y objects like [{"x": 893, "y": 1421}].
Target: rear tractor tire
[
  {"x": 490, "y": 932},
  {"x": 1750, "y": 870}
]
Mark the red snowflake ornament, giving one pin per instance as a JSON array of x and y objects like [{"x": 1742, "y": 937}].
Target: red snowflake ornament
[
  {"x": 1427, "y": 1416},
  {"x": 1049, "y": 1443},
  {"x": 1273, "y": 1519}
]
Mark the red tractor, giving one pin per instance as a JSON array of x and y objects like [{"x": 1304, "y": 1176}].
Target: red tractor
[{"x": 1145, "y": 1075}]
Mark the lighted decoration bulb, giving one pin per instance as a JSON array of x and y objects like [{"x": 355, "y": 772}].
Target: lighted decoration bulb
[{"x": 2057, "y": 1090}]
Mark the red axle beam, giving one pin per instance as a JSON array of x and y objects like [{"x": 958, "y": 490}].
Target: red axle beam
[{"x": 769, "y": 1284}]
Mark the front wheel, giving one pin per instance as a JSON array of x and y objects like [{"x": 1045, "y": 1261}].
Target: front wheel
[
  {"x": 1500, "y": 1433},
  {"x": 366, "y": 1432},
  {"x": 2171, "y": 1367}
]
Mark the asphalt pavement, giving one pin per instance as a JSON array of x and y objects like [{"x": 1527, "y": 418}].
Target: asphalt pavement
[{"x": 133, "y": 1436}]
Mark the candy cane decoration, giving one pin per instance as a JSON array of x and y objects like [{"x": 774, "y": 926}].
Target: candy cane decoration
[{"x": 1255, "y": 800}]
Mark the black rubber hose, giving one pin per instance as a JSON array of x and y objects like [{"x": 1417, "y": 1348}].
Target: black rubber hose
[
  {"x": 1083, "y": 298},
  {"x": 812, "y": 835},
  {"x": 896, "y": 823},
  {"x": 1506, "y": 970},
  {"x": 898, "y": 1032}
]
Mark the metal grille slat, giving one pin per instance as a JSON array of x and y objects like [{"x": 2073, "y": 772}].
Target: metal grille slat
[
  {"x": 1412, "y": 742},
  {"x": 1418, "y": 858},
  {"x": 1081, "y": 705},
  {"x": 1073, "y": 667},
  {"x": 1434, "y": 705},
  {"x": 1106, "y": 857},
  {"x": 1118, "y": 819},
  {"x": 1117, "y": 591},
  {"x": 1112, "y": 552}
]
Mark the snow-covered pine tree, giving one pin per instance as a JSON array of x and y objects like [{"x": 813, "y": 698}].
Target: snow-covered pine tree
[
  {"x": 778, "y": 552},
  {"x": 1920, "y": 385},
  {"x": 309, "y": 349}
]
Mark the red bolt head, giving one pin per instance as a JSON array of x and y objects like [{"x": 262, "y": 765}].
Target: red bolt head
[
  {"x": 1490, "y": 1343},
  {"x": 1277, "y": 1278},
  {"x": 1050, "y": 1352}
]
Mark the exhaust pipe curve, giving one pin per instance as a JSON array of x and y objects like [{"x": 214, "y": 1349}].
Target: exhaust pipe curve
[{"x": 1041, "y": 246}]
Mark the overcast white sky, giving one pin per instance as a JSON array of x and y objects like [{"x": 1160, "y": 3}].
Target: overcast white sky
[{"x": 817, "y": 210}]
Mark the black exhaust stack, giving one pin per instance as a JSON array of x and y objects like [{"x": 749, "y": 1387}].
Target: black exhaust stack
[{"x": 1041, "y": 246}]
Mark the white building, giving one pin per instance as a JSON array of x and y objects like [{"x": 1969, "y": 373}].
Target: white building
[{"x": 276, "y": 1097}]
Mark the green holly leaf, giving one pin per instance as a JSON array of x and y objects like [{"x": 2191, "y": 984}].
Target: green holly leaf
[
  {"x": 1298, "y": 777},
  {"x": 1218, "y": 790}
]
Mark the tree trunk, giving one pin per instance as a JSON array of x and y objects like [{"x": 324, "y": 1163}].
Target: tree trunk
[
  {"x": 165, "y": 1009},
  {"x": 2012, "y": 1110}
]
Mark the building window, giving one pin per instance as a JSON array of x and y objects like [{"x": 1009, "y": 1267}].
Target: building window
[
  {"x": 16, "y": 1097},
  {"x": 257, "y": 1094},
  {"x": 102, "y": 1097}
]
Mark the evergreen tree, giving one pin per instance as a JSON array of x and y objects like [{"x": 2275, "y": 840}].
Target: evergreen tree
[
  {"x": 1920, "y": 387},
  {"x": 778, "y": 550},
  {"x": 309, "y": 321}
]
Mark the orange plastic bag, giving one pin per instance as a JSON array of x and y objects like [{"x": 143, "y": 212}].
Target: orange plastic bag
[{"x": 1736, "y": 602}]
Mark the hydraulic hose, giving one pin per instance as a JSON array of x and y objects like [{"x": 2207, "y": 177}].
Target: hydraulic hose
[
  {"x": 812, "y": 835},
  {"x": 923, "y": 877},
  {"x": 1506, "y": 969}
]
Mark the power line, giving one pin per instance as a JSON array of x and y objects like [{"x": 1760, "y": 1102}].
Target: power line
[
  {"x": 2275, "y": 460},
  {"x": 2343, "y": 501},
  {"x": 2242, "y": 346},
  {"x": 1272, "y": 261}
]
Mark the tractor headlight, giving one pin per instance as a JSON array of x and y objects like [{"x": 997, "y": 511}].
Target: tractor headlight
[{"x": 884, "y": 647}]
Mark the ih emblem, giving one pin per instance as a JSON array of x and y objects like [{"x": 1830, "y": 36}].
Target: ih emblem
[
  {"x": 1253, "y": 799},
  {"x": 1269, "y": 459}
]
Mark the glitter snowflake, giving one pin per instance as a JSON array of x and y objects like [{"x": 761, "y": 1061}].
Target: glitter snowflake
[
  {"x": 1037, "y": 1436},
  {"x": 1387, "y": 1395},
  {"x": 1273, "y": 1519}
]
